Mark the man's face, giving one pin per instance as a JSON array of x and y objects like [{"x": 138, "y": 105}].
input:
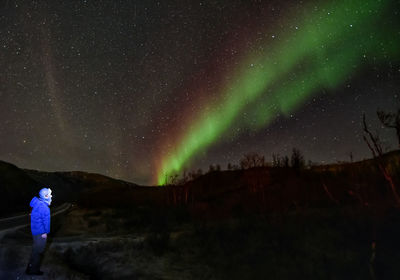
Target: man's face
[{"x": 48, "y": 195}]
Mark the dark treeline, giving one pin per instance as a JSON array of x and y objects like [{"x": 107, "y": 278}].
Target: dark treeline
[
  {"x": 248, "y": 161},
  {"x": 382, "y": 170}
]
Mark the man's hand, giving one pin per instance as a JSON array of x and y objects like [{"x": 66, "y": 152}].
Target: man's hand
[{"x": 44, "y": 235}]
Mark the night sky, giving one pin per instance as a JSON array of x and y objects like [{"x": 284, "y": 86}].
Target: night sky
[{"x": 139, "y": 89}]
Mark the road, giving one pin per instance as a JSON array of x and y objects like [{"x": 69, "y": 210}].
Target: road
[{"x": 13, "y": 223}]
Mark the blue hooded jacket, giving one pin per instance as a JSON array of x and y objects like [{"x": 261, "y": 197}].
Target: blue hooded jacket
[{"x": 40, "y": 216}]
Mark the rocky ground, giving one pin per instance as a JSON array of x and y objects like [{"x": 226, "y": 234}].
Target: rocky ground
[
  {"x": 88, "y": 244},
  {"x": 128, "y": 244}
]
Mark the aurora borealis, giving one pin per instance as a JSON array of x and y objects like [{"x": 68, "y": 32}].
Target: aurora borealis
[
  {"x": 332, "y": 46},
  {"x": 138, "y": 90}
]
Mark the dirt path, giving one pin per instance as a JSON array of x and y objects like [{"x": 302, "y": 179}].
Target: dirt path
[{"x": 14, "y": 223}]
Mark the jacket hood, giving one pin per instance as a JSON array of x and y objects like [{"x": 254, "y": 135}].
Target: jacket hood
[{"x": 35, "y": 202}]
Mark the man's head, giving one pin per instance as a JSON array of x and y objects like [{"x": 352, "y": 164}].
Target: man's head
[{"x": 45, "y": 195}]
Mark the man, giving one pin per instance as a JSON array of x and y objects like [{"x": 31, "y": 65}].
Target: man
[{"x": 40, "y": 227}]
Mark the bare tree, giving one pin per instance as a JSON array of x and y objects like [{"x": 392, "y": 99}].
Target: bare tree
[
  {"x": 391, "y": 120},
  {"x": 297, "y": 159},
  {"x": 173, "y": 179},
  {"x": 185, "y": 178},
  {"x": 170, "y": 188},
  {"x": 285, "y": 162},
  {"x": 330, "y": 194},
  {"x": 375, "y": 147},
  {"x": 252, "y": 160},
  {"x": 277, "y": 160},
  {"x": 350, "y": 154},
  {"x": 192, "y": 175}
]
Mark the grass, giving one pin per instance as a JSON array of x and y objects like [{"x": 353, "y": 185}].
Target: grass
[{"x": 326, "y": 243}]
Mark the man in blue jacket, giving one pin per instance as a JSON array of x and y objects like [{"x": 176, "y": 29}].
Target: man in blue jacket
[{"x": 40, "y": 227}]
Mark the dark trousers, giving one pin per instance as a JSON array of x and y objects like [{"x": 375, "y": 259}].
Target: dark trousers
[{"x": 39, "y": 244}]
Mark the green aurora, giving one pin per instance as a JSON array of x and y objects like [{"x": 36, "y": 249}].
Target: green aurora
[{"x": 324, "y": 51}]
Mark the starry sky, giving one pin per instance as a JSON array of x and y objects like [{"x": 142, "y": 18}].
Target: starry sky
[{"x": 138, "y": 89}]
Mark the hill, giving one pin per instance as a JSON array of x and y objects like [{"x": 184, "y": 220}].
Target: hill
[
  {"x": 18, "y": 186},
  {"x": 218, "y": 193},
  {"x": 281, "y": 189}
]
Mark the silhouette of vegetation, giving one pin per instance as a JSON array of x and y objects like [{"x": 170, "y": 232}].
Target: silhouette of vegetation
[
  {"x": 286, "y": 161},
  {"x": 391, "y": 120},
  {"x": 277, "y": 161},
  {"x": 350, "y": 154},
  {"x": 297, "y": 159},
  {"x": 375, "y": 146},
  {"x": 195, "y": 174},
  {"x": 252, "y": 160}
]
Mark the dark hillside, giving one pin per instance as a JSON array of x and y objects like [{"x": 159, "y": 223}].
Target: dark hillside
[
  {"x": 257, "y": 190},
  {"x": 68, "y": 186},
  {"x": 122, "y": 194},
  {"x": 215, "y": 194},
  {"x": 16, "y": 188},
  {"x": 282, "y": 189}
]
